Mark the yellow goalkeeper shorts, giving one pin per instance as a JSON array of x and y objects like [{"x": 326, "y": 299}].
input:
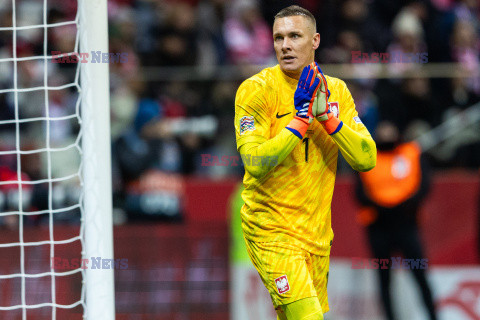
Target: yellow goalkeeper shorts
[{"x": 290, "y": 273}]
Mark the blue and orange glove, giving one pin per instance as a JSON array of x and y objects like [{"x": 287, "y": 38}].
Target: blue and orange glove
[
  {"x": 320, "y": 108},
  {"x": 303, "y": 99},
  {"x": 306, "y": 92}
]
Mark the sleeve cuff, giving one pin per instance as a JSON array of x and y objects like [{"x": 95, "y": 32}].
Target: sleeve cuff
[
  {"x": 298, "y": 126},
  {"x": 332, "y": 125}
]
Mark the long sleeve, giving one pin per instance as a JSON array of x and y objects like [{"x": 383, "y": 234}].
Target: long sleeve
[
  {"x": 260, "y": 158},
  {"x": 358, "y": 149},
  {"x": 260, "y": 151},
  {"x": 349, "y": 133}
]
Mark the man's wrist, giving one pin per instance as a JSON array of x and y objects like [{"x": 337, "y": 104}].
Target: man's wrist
[
  {"x": 322, "y": 117},
  {"x": 332, "y": 124},
  {"x": 298, "y": 126}
]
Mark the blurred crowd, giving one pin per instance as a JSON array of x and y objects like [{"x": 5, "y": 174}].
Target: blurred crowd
[
  {"x": 220, "y": 33},
  {"x": 162, "y": 125}
]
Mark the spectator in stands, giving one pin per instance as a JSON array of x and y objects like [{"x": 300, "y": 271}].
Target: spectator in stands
[
  {"x": 146, "y": 156},
  {"x": 408, "y": 100},
  {"x": 353, "y": 16},
  {"x": 149, "y": 17},
  {"x": 465, "y": 46},
  {"x": 199, "y": 32},
  {"x": 247, "y": 35},
  {"x": 409, "y": 39},
  {"x": 154, "y": 146},
  {"x": 211, "y": 17},
  {"x": 176, "y": 43},
  {"x": 468, "y": 10},
  {"x": 391, "y": 195},
  {"x": 341, "y": 52},
  {"x": 366, "y": 104},
  {"x": 460, "y": 93}
]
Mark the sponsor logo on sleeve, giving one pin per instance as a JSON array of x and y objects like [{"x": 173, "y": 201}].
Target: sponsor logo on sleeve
[
  {"x": 247, "y": 123},
  {"x": 357, "y": 119}
]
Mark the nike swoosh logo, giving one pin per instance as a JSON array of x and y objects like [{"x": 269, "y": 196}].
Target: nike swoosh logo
[{"x": 281, "y": 115}]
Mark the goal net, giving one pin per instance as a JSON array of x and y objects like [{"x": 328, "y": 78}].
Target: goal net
[{"x": 55, "y": 178}]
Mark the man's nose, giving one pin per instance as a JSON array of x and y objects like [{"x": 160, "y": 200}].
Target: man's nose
[{"x": 286, "y": 45}]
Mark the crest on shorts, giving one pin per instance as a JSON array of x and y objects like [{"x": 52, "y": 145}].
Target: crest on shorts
[
  {"x": 247, "y": 123},
  {"x": 282, "y": 284},
  {"x": 334, "y": 108}
]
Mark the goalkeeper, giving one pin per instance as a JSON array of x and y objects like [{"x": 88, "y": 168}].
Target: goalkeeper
[{"x": 301, "y": 118}]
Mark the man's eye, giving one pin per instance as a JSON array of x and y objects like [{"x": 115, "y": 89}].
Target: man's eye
[
  {"x": 278, "y": 38},
  {"x": 295, "y": 36}
]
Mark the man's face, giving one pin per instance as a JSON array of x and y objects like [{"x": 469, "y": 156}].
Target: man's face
[{"x": 295, "y": 41}]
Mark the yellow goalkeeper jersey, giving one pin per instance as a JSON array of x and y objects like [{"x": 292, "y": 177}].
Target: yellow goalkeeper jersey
[{"x": 292, "y": 202}]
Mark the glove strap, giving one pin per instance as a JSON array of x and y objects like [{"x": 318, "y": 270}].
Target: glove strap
[
  {"x": 332, "y": 125},
  {"x": 298, "y": 126}
]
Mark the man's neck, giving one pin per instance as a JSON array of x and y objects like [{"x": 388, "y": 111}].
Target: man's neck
[{"x": 293, "y": 75}]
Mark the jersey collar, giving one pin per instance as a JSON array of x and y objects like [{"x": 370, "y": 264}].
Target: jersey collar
[{"x": 288, "y": 79}]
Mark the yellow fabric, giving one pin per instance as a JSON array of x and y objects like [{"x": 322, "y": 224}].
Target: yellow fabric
[
  {"x": 358, "y": 148},
  {"x": 316, "y": 316},
  {"x": 291, "y": 203},
  {"x": 353, "y": 139},
  {"x": 271, "y": 151},
  {"x": 306, "y": 274},
  {"x": 305, "y": 309}
]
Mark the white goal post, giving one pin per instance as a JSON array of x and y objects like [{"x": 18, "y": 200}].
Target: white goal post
[
  {"x": 100, "y": 297},
  {"x": 92, "y": 174}
]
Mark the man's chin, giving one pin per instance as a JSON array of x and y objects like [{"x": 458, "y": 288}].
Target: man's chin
[{"x": 290, "y": 68}]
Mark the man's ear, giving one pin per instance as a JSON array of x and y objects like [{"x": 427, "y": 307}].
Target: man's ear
[{"x": 316, "y": 40}]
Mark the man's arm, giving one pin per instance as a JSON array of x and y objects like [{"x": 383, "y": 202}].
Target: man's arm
[
  {"x": 251, "y": 107},
  {"x": 358, "y": 149},
  {"x": 351, "y": 136},
  {"x": 252, "y": 126},
  {"x": 272, "y": 151}
]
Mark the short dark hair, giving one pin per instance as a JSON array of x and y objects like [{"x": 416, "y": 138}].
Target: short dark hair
[{"x": 296, "y": 11}]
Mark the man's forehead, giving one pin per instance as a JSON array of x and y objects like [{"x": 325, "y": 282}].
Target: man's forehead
[{"x": 292, "y": 23}]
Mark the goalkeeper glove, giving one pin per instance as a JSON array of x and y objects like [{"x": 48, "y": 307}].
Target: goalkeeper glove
[
  {"x": 320, "y": 105},
  {"x": 303, "y": 99},
  {"x": 306, "y": 92},
  {"x": 320, "y": 108}
]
